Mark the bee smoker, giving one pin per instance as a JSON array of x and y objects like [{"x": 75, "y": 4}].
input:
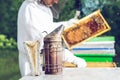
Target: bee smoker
[{"x": 53, "y": 52}]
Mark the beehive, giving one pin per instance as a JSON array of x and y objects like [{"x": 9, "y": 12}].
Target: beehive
[{"x": 85, "y": 29}]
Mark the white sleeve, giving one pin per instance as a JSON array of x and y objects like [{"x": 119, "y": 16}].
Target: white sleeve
[
  {"x": 59, "y": 23},
  {"x": 66, "y": 24},
  {"x": 69, "y": 57}
]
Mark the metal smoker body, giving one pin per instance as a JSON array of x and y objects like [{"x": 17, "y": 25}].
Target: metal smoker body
[{"x": 53, "y": 52}]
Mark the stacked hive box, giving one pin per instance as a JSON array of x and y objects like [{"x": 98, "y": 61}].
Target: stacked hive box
[
  {"x": 98, "y": 52},
  {"x": 99, "y": 49}
]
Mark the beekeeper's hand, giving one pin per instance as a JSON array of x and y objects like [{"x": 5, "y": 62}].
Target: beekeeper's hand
[
  {"x": 69, "y": 57},
  {"x": 71, "y": 22},
  {"x": 80, "y": 62}
]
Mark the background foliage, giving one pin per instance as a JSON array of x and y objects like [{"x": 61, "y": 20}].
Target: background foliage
[{"x": 8, "y": 17}]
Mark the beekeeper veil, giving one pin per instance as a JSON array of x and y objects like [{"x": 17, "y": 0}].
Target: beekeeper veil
[{"x": 56, "y": 8}]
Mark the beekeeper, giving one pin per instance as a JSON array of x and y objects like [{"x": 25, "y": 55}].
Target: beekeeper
[{"x": 35, "y": 19}]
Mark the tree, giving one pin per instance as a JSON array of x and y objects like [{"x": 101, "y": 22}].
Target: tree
[{"x": 8, "y": 17}]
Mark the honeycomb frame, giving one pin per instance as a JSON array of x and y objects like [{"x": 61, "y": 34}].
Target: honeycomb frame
[{"x": 86, "y": 28}]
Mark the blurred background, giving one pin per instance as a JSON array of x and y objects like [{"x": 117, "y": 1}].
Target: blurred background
[{"x": 9, "y": 68}]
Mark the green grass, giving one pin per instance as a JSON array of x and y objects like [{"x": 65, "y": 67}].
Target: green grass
[{"x": 9, "y": 67}]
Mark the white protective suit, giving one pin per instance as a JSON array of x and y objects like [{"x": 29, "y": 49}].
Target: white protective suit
[{"x": 33, "y": 20}]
